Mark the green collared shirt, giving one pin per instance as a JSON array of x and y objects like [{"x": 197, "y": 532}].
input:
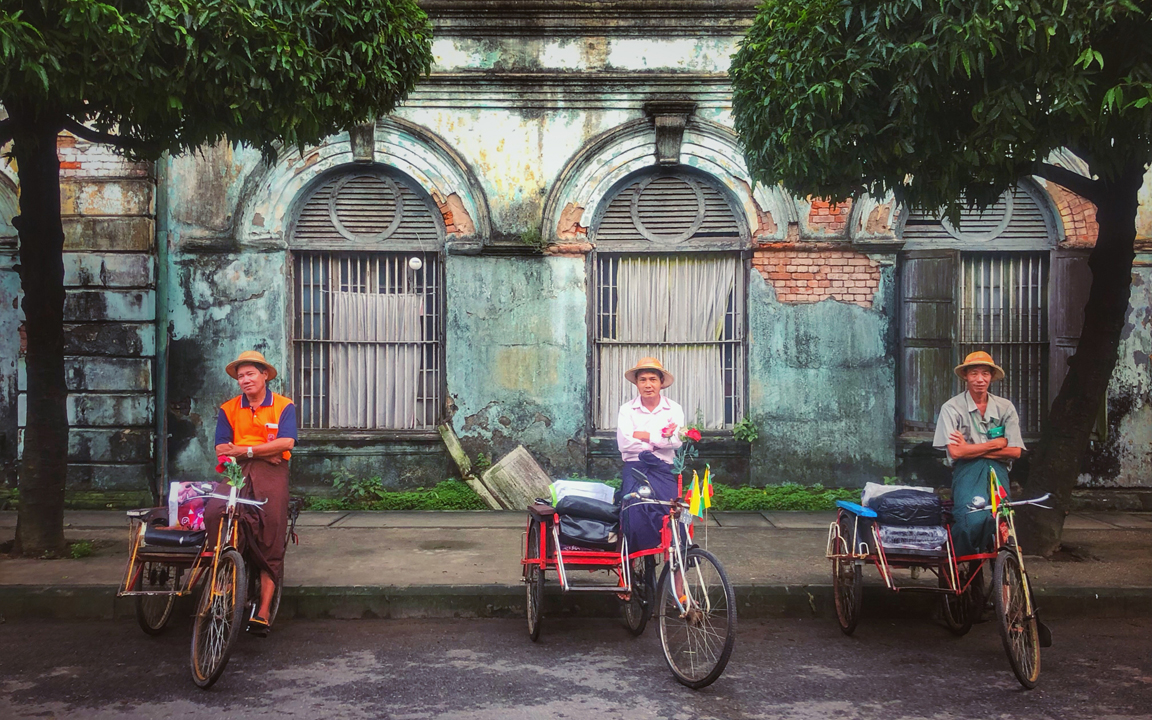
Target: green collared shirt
[{"x": 960, "y": 414}]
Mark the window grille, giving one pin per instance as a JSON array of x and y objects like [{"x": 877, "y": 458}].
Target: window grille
[
  {"x": 367, "y": 340},
  {"x": 687, "y": 310},
  {"x": 1003, "y": 310}
]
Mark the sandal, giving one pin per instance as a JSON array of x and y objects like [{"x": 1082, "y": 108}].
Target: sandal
[{"x": 258, "y": 626}]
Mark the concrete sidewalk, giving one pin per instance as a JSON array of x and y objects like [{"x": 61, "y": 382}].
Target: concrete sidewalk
[{"x": 467, "y": 563}]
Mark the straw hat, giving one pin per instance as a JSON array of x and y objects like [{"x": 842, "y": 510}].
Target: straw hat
[
  {"x": 250, "y": 357},
  {"x": 649, "y": 363},
  {"x": 980, "y": 358}
]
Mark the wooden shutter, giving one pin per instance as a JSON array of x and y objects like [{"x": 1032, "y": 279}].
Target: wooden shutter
[
  {"x": 927, "y": 335},
  {"x": 1069, "y": 281}
]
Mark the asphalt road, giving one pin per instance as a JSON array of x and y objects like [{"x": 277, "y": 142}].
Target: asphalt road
[{"x": 581, "y": 668}]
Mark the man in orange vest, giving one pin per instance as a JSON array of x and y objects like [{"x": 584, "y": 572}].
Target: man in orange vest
[{"x": 258, "y": 428}]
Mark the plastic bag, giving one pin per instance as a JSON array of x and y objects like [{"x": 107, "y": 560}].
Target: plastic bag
[
  {"x": 585, "y": 507},
  {"x": 913, "y": 537},
  {"x": 907, "y": 507},
  {"x": 597, "y": 491},
  {"x": 186, "y": 504},
  {"x": 874, "y": 490}
]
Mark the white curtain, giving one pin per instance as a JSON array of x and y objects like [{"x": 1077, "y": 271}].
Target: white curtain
[
  {"x": 375, "y": 366},
  {"x": 670, "y": 300}
]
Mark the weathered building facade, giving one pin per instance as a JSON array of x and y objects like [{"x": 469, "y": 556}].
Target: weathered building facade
[{"x": 562, "y": 195}]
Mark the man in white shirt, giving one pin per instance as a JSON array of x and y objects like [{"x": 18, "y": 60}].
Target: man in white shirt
[{"x": 648, "y": 435}]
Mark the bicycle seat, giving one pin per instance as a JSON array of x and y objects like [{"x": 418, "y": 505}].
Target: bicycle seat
[
  {"x": 542, "y": 510},
  {"x": 162, "y": 537}
]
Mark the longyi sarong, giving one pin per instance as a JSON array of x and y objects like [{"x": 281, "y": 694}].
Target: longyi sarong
[
  {"x": 264, "y": 528},
  {"x": 642, "y": 524},
  {"x": 973, "y": 532}
]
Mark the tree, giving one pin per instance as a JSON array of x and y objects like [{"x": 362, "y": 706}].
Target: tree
[
  {"x": 156, "y": 76},
  {"x": 948, "y": 101}
]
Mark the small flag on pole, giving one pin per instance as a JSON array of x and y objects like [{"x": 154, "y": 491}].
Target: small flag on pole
[
  {"x": 706, "y": 487},
  {"x": 694, "y": 495}
]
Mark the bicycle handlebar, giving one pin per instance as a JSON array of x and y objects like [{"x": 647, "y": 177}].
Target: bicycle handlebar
[
  {"x": 1017, "y": 503},
  {"x": 241, "y": 501}
]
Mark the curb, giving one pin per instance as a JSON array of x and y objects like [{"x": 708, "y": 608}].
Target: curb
[{"x": 99, "y": 602}]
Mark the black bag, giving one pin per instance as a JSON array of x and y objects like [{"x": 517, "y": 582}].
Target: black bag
[{"x": 907, "y": 507}]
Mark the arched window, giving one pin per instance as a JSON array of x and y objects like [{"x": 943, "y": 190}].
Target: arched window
[
  {"x": 995, "y": 282},
  {"x": 368, "y": 296},
  {"x": 669, "y": 281}
]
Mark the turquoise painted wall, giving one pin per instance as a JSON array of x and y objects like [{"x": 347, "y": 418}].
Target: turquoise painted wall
[
  {"x": 821, "y": 388},
  {"x": 517, "y": 349}
]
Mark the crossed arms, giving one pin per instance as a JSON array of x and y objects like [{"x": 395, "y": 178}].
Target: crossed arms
[{"x": 960, "y": 449}]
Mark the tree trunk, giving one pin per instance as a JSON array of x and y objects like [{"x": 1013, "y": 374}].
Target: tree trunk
[
  {"x": 1064, "y": 441},
  {"x": 40, "y": 522}
]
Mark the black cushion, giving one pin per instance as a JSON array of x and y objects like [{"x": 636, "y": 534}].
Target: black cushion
[
  {"x": 174, "y": 538},
  {"x": 583, "y": 507}
]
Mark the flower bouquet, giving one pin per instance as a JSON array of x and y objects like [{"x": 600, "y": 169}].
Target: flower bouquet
[
  {"x": 230, "y": 469},
  {"x": 687, "y": 450}
]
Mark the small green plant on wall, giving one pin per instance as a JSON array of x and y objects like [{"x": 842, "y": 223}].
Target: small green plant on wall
[
  {"x": 745, "y": 431},
  {"x": 533, "y": 239}
]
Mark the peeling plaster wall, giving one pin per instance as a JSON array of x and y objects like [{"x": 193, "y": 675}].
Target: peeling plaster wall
[
  {"x": 517, "y": 357},
  {"x": 222, "y": 304},
  {"x": 822, "y": 387},
  {"x": 11, "y": 317},
  {"x": 1125, "y": 458}
]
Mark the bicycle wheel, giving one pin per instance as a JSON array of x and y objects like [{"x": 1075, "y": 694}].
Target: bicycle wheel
[
  {"x": 154, "y": 611},
  {"x": 697, "y": 643},
  {"x": 534, "y": 582},
  {"x": 957, "y": 609},
  {"x": 1017, "y": 628},
  {"x": 847, "y": 589},
  {"x": 219, "y": 619},
  {"x": 638, "y": 609}
]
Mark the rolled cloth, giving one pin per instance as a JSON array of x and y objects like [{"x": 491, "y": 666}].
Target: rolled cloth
[
  {"x": 263, "y": 530},
  {"x": 642, "y": 524},
  {"x": 974, "y": 532}
]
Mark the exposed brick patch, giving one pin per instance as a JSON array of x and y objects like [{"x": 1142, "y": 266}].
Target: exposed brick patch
[
  {"x": 569, "y": 227},
  {"x": 829, "y": 218},
  {"x": 817, "y": 271},
  {"x": 765, "y": 224},
  {"x": 457, "y": 221},
  {"x": 82, "y": 159},
  {"x": 1078, "y": 216}
]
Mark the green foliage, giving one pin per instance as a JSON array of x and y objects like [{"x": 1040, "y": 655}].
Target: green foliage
[
  {"x": 80, "y": 549},
  {"x": 370, "y": 494},
  {"x": 483, "y": 462},
  {"x": 745, "y": 431},
  {"x": 937, "y": 100},
  {"x": 789, "y": 496},
  {"x": 533, "y": 238},
  {"x": 176, "y": 74}
]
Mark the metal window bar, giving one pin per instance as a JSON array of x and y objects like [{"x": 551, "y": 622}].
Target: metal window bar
[
  {"x": 319, "y": 274},
  {"x": 731, "y": 343},
  {"x": 1003, "y": 311}
]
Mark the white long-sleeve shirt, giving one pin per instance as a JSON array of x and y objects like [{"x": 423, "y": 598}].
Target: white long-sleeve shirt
[{"x": 635, "y": 417}]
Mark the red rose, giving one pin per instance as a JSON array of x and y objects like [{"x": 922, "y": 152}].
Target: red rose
[
  {"x": 221, "y": 462},
  {"x": 693, "y": 435}
]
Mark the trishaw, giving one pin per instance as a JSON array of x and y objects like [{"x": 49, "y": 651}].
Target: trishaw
[
  {"x": 854, "y": 539},
  {"x": 697, "y": 625},
  {"x": 165, "y": 564}
]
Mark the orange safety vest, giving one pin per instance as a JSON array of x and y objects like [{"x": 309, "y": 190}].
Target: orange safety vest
[{"x": 255, "y": 425}]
